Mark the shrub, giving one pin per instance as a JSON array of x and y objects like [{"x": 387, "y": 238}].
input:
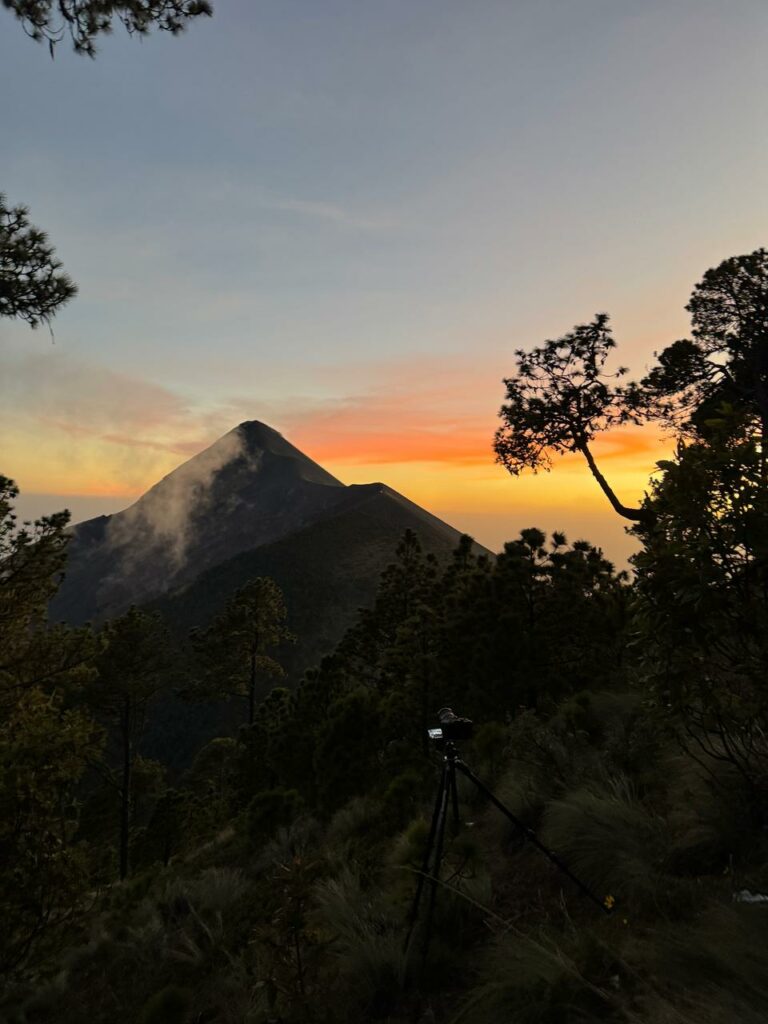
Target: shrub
[
  {"x": 168, "y": 1006},
  {"x": 271, "y": 810}
]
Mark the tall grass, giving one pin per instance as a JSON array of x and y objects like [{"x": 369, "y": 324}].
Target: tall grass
[
  {"x": 541, "y": 978},
  {"x": 366, "y": 941},
  {"x": 609, "y": 840},
  {"x": 716, "y": 967}
]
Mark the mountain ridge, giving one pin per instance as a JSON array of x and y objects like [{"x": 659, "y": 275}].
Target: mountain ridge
[{"x": 248, "y": 489}]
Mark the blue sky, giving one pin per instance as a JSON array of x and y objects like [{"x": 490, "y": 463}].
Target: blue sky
[{"x": 345, "y": 216}]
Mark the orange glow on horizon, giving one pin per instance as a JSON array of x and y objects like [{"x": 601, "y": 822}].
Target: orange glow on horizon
[
  {"x": 426, "y": 429},
  {"x": 456, "y": 480},
  {"x": 430, "y": 467}
]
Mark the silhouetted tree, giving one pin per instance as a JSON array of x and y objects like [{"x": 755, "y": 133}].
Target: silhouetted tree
[
  {"x": 133, "y": 669},
  {"x": 561, "y": 395},
  {"x": 32, "y": 288},
  {"x": 232, "y": 652},
  {"x": 542, "y": 622},
  {"x": 84, "y": 20},
  {"x": 559, "y": 399},
  {"x": 45, "y": 742},
  {"x": 724, "y": 369},
  {"x": 702, "y": 602},
  {"x": 702, "y": 587},
  {"x": 405, "y": 586}
]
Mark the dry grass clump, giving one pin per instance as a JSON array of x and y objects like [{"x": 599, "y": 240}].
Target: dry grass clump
[
  {"x": 610, "y": 840},
  {"x": 366, "y": 941}
]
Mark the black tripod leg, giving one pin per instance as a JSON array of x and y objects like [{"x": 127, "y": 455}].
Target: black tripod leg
[
  {"x": 532, "y": 838},
  {"x": 454, "y": 796},
  {"x": 427, "y": 853},
  {"x": 438, "y": 862}
]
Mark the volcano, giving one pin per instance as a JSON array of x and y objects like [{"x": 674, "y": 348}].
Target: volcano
[{"x": 251, "y": 501}]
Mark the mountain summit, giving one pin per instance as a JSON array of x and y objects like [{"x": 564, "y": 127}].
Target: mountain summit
[{"x": 248, "y": 491}]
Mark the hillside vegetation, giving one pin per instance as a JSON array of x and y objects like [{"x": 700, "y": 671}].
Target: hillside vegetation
[{"x": 621, "y": 716}]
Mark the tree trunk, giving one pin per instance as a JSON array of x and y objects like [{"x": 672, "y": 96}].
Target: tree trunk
[
  {"x": 637, "y": 515},
  {"x": 425, "y": 698},
  {"x": 761, "y": 391},
  {"x": 125, "y": 790},
  {"x": 252, "y": 690}
]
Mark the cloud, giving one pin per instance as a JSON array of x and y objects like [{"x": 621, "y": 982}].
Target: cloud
[
  {"x": 178, "y": 447},
  {"x": 73, "y": 395},
  {"x": 71, "y": 426},
  {"x": 77, "y": 427},
  {"x": 377, "y": 429},
  {"x": 431, "y": 410},
  {"x": 325, "y": 211},
  {"x": 632, "y": 444},
  {"x": 160, "y": 526}
]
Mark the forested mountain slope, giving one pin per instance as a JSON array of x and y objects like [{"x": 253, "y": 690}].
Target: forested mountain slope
[{"x": 326, "y": 571}]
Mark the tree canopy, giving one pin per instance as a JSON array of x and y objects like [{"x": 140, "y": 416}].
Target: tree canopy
[
  {"x": 233, "y": 652},
  {"x": 32, "y": 284},
  {"x": 133, "y": 668},
  {"x": 85, "y": 20},
  {"x": 562, "y": 395},
  {"x": 723, "y": 369},
  {"x": 45, "y": 742}
]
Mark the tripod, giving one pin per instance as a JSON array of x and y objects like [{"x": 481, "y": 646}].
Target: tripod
[{"x": 433, "y": 852}]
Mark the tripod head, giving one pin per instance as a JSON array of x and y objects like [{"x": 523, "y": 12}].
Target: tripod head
[{"x": 451, "y": 730}]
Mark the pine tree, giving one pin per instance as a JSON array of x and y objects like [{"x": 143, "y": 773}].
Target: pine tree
[
  {"x": 46, "y": 744},
  {"x": 233, "y": 651},
  {"x": 85, "y": 20},
  {"x": 702, "y": 603},
  {"x": 32, "y": 286},
  {"x": 134, "y": 667}
]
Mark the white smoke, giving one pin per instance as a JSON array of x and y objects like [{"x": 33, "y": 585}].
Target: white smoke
[{"x": 158, "y": 529}]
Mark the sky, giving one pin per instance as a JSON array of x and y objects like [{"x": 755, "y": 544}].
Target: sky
[{"x": 342, "y": 217}]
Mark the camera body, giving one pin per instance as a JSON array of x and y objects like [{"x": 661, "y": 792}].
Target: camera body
[{"x": 452, "y": 729}]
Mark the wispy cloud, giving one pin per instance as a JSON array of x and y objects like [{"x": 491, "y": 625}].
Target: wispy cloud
[
  {"x": 71, "y": 426},
  {"x": 86, "y": 428},
  {"x": 325, "y": 211}
]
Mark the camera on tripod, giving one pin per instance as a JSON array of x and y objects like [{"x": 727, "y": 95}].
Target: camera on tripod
[{"x": 452, "y": 728}]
